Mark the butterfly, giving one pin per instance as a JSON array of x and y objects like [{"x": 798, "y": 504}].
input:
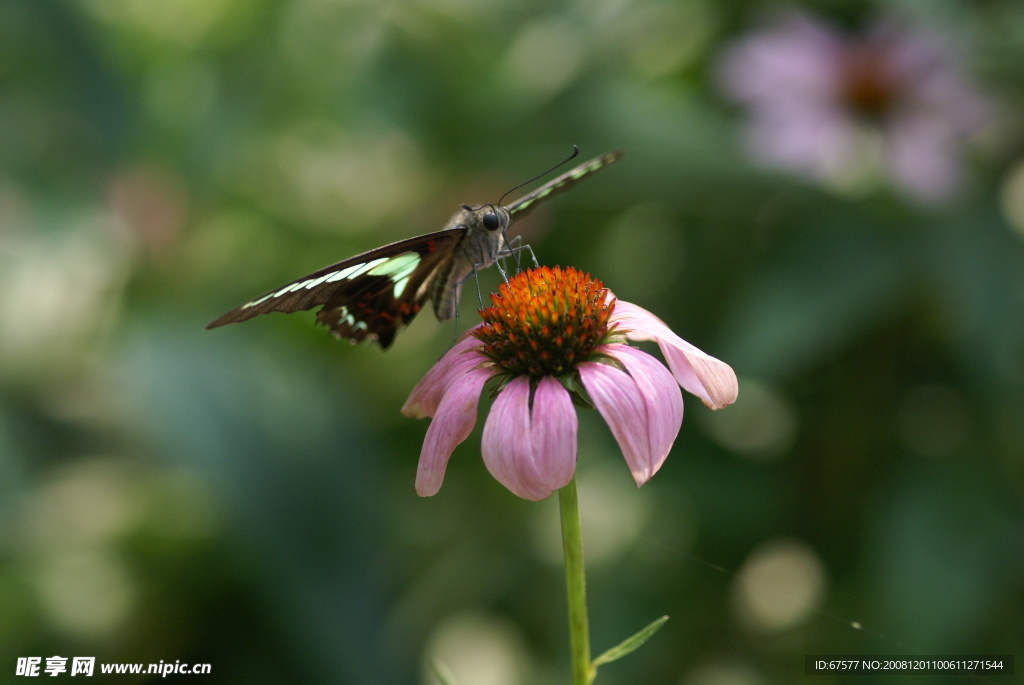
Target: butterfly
[{"x": 374, "y": 294}]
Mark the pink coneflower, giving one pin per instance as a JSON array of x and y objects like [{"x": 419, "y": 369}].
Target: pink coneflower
[
  {"x": 550, "y": 334},
  {"x": 832, "y": 106}
]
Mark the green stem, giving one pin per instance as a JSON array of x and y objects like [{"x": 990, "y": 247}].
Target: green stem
[{"x": 575, "y": 585}]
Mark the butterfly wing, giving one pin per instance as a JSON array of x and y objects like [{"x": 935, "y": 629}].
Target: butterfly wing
[
  {"x": 525, "y": 204},
  {"x": 370, "y": 295},
  {"x": 374, "y": 294}
]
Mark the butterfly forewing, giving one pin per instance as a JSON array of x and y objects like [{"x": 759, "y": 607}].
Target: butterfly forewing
[
  {"x": 375, "y": 294},
  {"x": 525, "y": 204}
]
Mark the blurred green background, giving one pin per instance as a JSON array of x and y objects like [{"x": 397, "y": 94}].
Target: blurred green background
[{"x": 244, "y": 497}]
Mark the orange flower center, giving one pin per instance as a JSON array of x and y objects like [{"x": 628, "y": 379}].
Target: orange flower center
[{"x": 544, "y": 321}]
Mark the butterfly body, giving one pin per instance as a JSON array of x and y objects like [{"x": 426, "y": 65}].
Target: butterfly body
[
  {"x": 479, "y": 246},
  {"x": 375, "y": 294}
]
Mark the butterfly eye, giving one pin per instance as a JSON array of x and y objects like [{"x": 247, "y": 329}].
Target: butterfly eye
[{"x": 491, "y": 221}]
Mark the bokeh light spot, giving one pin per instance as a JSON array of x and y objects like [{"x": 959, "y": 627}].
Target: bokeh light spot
[
  {"x": 477, "y": 649},
  {"x": 779, "y": 586}
]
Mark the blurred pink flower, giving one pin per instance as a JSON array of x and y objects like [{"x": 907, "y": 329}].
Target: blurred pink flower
[
  {"x": 829, "y": 106},
  {"x": 550, "y": 334}
]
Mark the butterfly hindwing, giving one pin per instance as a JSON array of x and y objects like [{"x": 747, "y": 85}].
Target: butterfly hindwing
[
  {"x": 369, "y": 295},
  {"x": 380, "y": 301}
]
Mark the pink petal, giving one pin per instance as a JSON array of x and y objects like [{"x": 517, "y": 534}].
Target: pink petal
[
  {"x": 661, "y": 396},
  {"x": 456, "y": 362},
  {"x": 617, "y": 397},
  {"x": 553, "y": 428},
  {"x": 811, "y": 138},
  {"x": 921, "y": 155},
  {"x": 532, "y": 453},
  {"x": 795, "y": 59},
  {"x": 699, "y": 373},
  {"x": 453, "y": 422},
  {"x": 507, "y": 448}
]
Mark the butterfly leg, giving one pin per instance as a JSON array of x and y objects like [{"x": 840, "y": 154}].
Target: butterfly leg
[
  {"x": 513, "y": 249},
  {"x": 506, "y": 252},
  {"x": 510, "y": 251},
  {"x": 498, "y": 264},
  {"x": 458, "y": 289},
  {"x": 476, "y": 279},
  {"x": 455, "y": 331}
]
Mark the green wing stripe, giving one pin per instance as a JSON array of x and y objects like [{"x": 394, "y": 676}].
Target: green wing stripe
[{"x": 523, "y": 205}]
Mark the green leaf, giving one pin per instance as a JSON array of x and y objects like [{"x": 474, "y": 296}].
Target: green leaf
[
  {"x": 630, "y": 643},
  {"x": 441, "y": 672}
]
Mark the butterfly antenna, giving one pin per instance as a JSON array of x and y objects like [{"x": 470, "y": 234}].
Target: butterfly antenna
[{"x": 575, "y": 151}]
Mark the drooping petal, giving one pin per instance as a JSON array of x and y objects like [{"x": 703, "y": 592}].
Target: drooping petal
[
  {"x": 699, "y": 373},
  {"x": 453, "y": 422},
  {"x": 812, "y": 140},
  {"x": 507, "y": 446},
  {"x": 921, "y": 152},
  {"x": 618, "y": 399},
  {"x": 553, "y": 428},
  {"x": 425, "y": 397},
  {"x": 661, "y": 396}
]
